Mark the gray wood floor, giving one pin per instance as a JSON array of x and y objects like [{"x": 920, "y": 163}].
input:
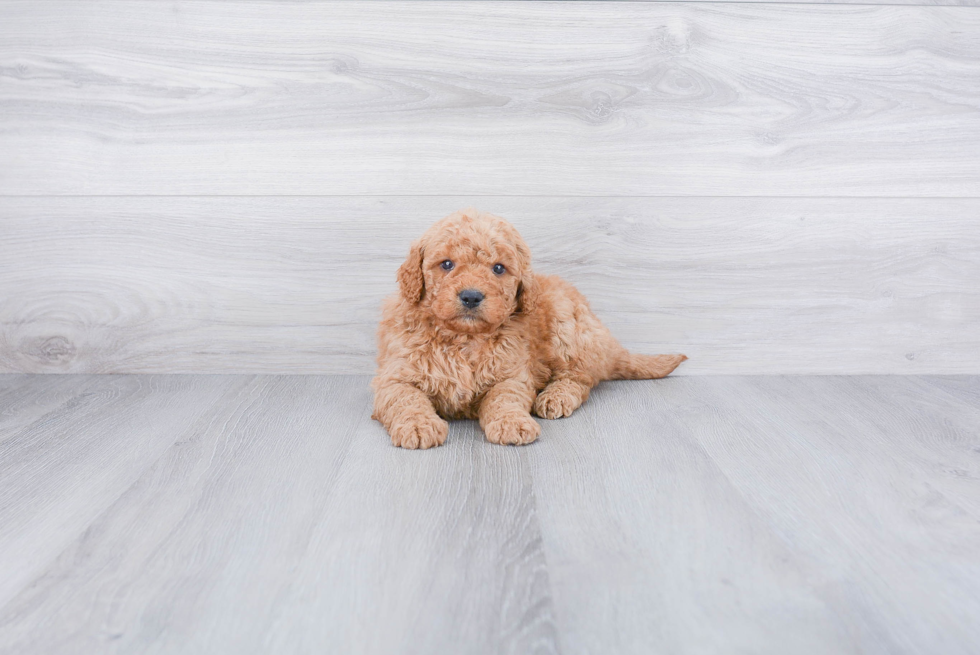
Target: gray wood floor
[{"x": 238, "y": 514}]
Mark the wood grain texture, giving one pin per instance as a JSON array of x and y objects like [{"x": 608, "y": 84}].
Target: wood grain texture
[
  {"x": 742, "y": 285},
  {"x": 25, "y": 399},
  {"x": 707, "y": 503},
  {"x": 505, "y": 98},
  {"x": 651, "y": 550},
  {"x": 966, "y": 388},
  {"x": 257, "y": 514},
  {"x": 285, "y": 523},
  {"x": 100, "y": 442},
  {"x": 954, "y": 3},
  {"x": 860, "y": 477},
  {"x": 424, "y": 555}
]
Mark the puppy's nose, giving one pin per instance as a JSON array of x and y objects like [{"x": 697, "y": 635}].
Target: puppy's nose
[{"x": 470, "y": 298}]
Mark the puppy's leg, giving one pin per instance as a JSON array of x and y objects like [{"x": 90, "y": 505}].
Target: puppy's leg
[
  {"x": 561, "y": 397},
  {"x": 409, "y": 416},
  {"x": 504, "y": 413}
]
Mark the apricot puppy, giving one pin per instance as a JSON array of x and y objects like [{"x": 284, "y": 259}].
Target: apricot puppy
[{"x": 474, "y": 333}]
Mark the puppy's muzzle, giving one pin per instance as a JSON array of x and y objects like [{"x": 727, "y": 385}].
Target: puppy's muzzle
[{"x": 471, "y": 298}]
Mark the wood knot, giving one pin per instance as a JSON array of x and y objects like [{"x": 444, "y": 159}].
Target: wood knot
[{"x": 53, "y": 350}]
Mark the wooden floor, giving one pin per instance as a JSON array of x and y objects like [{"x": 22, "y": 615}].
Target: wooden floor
[{"x": 269, "y": 514}]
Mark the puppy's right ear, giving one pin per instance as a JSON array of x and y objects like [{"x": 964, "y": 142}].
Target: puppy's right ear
[{"x": 410, "y": 280}]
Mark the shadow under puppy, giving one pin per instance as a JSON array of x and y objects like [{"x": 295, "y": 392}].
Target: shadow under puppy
[{"x": 474, "y": 333}]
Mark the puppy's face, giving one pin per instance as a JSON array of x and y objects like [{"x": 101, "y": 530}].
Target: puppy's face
[{"x": 471, "y": 271}]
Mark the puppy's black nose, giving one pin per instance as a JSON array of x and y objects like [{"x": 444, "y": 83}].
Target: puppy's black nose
[{"x": 470, "y": 298}]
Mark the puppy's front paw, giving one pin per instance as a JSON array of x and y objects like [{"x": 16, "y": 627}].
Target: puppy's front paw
[
  {"x": 419, "y": 432},
  {"x": 513, "y": 429},
  {"x": 557, "y": 400}
]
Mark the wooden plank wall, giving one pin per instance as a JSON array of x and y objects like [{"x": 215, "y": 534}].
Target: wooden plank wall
[{"x": 229, "y": 186}]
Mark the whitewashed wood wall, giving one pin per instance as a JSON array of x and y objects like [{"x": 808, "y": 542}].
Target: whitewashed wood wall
[{"x": 229, "y": 186}]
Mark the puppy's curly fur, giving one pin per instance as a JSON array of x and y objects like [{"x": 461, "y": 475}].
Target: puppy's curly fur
[{"x": 531, "y": 342}]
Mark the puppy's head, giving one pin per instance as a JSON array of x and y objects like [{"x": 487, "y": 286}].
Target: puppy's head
[{"x": 471, "y": 271}]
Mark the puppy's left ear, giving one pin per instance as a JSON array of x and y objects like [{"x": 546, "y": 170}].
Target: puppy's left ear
[
  {"x": 410, "y": 280},
  {"x": 527, "y": 289},
  {"x": 527, "y": 293}
]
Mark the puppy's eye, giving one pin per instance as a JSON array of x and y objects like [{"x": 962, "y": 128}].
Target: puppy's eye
[
  {"x": 499, "y": 269},
  {"x": 448, "y": 265}
]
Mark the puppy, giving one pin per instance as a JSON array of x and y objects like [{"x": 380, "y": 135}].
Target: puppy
[{"x": 474, "y": 333}]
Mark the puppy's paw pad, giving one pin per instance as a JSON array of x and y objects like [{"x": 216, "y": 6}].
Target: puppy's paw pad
[
  {"x": 426, "y": 432},
  {"x": 513, "y": 430},
  {"x": 556, "y": 403}
]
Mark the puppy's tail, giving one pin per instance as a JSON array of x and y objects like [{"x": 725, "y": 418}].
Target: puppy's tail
[{"x": 631, "y": 366}]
